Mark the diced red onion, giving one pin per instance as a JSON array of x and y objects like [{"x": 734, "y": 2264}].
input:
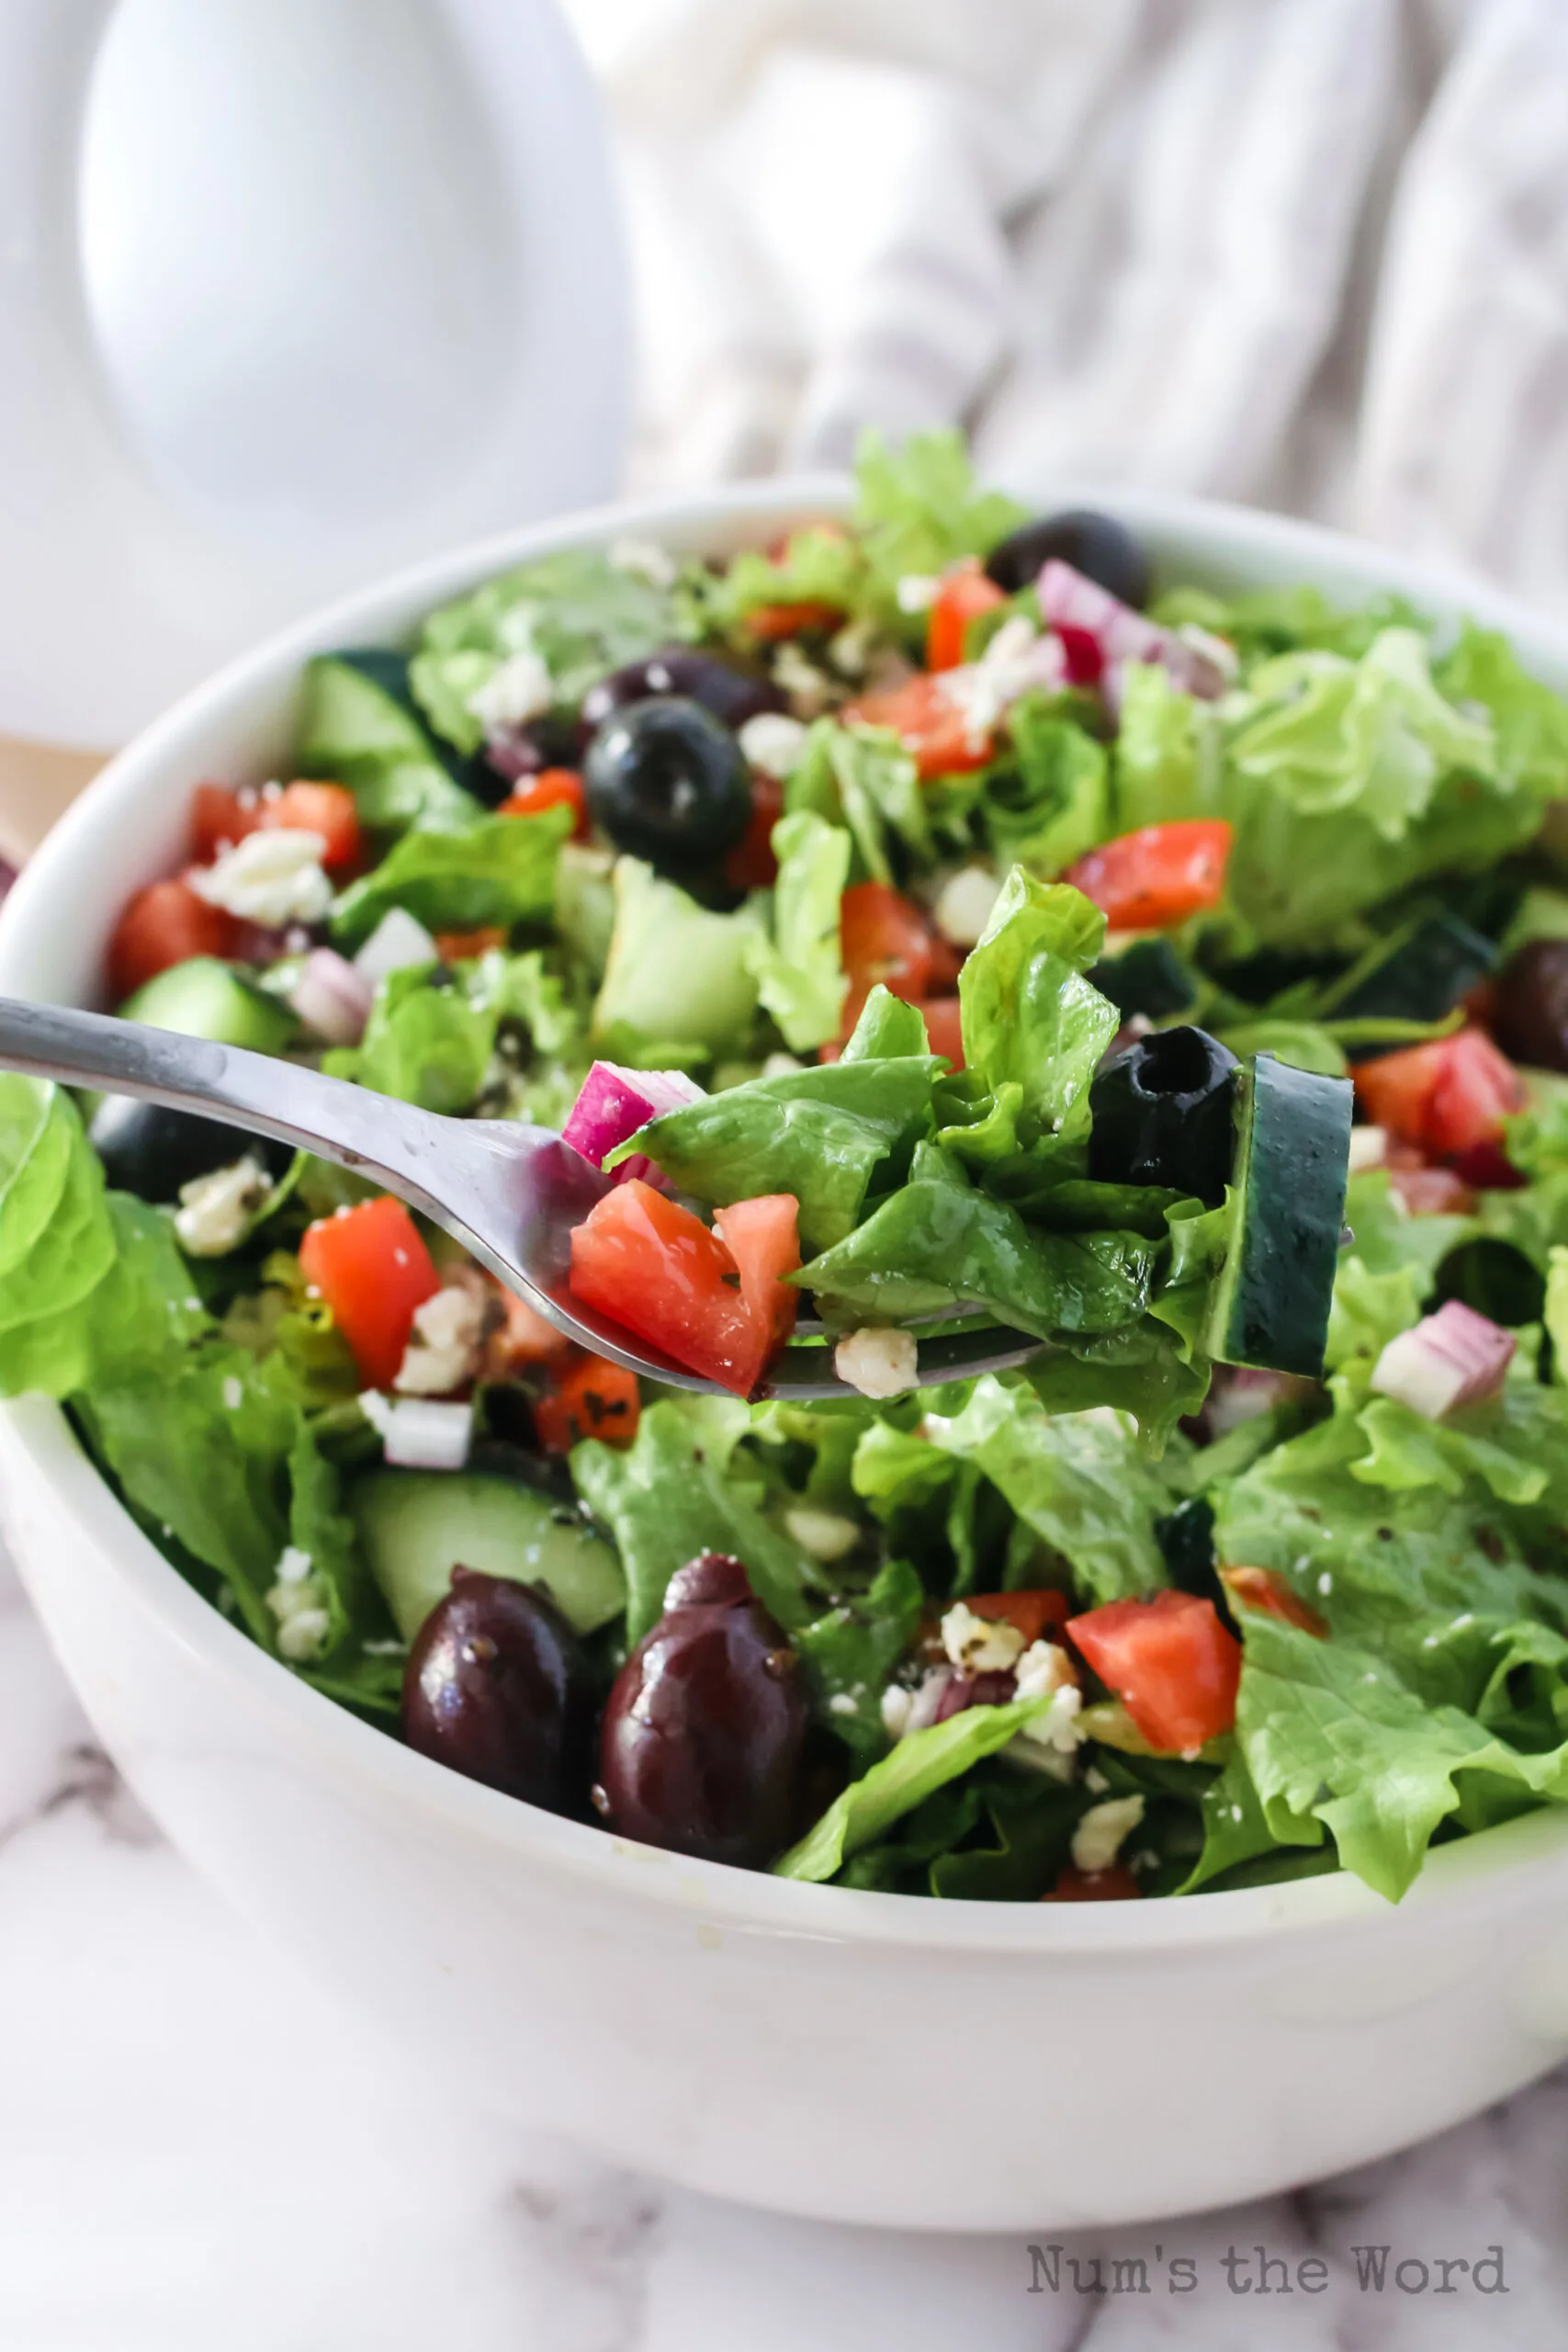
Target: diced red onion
[
  {"x": 613, "y": 1103},
  {"x": 418, "y": 1434},
  {"x": 332, "y": 997},
  {"x": 1453, "y": 1358},
  {"x": 1069, "y": 600},
  {"x": 992, "y": 1688},
  {"x": 931, "y": 1692}
]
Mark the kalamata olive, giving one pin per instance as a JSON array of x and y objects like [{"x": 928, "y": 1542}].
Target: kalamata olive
[
  {"x": 732, "y": 691},
  {"x": 527, "y": 748},
  {"x": 668, "y": 782},
  {"x": 152, "y": 1152},
  {"x": 1096, "y": 544},
  {"x": 1530, "y": 1006},
  {"x": 963, "y": 1690},
  {"x": 701, "y": 1745},
  {"x": 496, "y": 1687},
  {"x": 1163, "y": 1114}
]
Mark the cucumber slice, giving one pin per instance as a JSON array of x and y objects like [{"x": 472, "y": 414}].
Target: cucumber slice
[
  {"x": 359, "y": 723},
  {"x": 1418, "y": 975},
  {"x": 1149, "y": 977},
  {"x": 1286, "y": 1207},
  {"x": 417, "y": 1525},
  {"x": 202, "y": 998}
]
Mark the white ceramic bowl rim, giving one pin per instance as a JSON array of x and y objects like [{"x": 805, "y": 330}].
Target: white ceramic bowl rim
[{"x": 1236, "y": 542}]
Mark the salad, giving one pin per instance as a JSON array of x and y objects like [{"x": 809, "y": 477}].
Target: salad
[{"x": 930, "y": 912}]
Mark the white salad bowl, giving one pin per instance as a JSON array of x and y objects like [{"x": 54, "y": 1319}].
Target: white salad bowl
[{"x": 860, "y": 2057}]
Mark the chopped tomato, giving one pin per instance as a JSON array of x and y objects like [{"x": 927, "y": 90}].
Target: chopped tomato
[
  {"x": 163, "y": 925},
  {"x": 1033, "y": 1614},
  {"x": 1446, "y": 1097},
  {"x": 752, "y": 865},
  {"x": 592, "y": 1397},
  {"x": 764, "y": 1238},
  {"x": 460, "y": 947},
  {"x": 552, "y": 788},
  {"x": 372, "y": 1268},
  {"x": 1113, "y": 1885},
  {"x": 770, "y": 623},
  {"x": 1261, "y": 1589},
  {"x": 648, "y": 1264},
  {"x": 1486, "y": 1167},
  {"x": 882, "y": 937},
  {"x": 944, "y": 1027},
  {"x": 962, "y": 596},
  {"x": 1170, "y": 1662},
  {"x": 1159, "y": 876},
  {"x": 522, "y": 1337},
  {"x": 928, "y": 723},
  {"x": 221, "y": 818}
]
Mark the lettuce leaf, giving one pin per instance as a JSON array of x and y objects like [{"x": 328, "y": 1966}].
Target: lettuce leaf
[
  {"x": 799, "y": 973},
  {"x": 918, "y": 510},
  {"x": 376, "y": 744},
  {"x": 677, "y": 974},
  {"x": 1530, "y": 722},
  {"x": 430, "y": 1034},
  {"x": 498, "y": 871},
  {"x": 1051, "y": 801},
  {"x": 816, "y": 565},
  {"x": 579, "y": 612},
  {"x": 850, "y": 1650},
  {"x": 1168, "y": 752},
  {"x": 863, "y": 779}
]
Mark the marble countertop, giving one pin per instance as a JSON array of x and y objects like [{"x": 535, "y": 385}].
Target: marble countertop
[{"x": 196, "y": 2150}]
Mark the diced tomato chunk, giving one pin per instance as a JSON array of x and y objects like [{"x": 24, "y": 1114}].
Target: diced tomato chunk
[
  {"x": 552, "y": 788},
  {"x": 163, "y": 925},
  {"x": 763, "y": 1236},
  {"x": 929, "y": 724},
  {"x": 1113, "y": 1885},
  {"x": 771, "y": 623},
  {"x": 592, "y": 1397},
  {"x": 1033, "y": 1614},
  {"x": 882, "y": 936},
  {"x": 1170, "y": 1662},
  {"x": 648, "y": 1264},
  {"x": 1262, "y": 1589},
  {"x": 461, "y": 946},
  {"x": 371, "y": 1266},
  {"x": 1159, "y": 876},
  {"x": 221, "y": 818},
  {"x": 1445, "y": 1097},
  {"x": 752, "y": 865},
  {"x": 944, "y": 1027},
  {"x": 522, "y": 1337},
  {"x": 962, "y": 596}
]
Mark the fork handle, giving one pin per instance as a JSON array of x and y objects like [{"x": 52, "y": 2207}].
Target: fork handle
[{"x": 388, "y": 1141}]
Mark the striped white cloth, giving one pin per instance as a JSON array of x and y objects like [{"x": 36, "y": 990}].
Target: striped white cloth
[{"x": 1308, "y": 253}]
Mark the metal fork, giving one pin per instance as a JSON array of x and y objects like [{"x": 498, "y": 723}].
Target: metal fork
[{"x": 509, "y": 1193}]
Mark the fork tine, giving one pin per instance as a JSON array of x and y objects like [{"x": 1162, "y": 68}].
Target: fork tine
[{"x": 806, "y": 1374}]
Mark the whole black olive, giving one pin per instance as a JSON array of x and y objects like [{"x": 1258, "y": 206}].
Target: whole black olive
[
  {"x": 731, "y": 690},
  {"x": 668, "y": 782},
  {"x": 700, "y": 1750},
  {"x": 1163, "y": 1114},
  {"x": 1529, "y": 1009},
  {"x": 496, "y": 1686},
  {"x": 152, "y": 1152},
  {"x": 1096, "y": 544}
]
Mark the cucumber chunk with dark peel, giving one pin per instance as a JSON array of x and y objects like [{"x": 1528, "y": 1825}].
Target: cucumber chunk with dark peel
[
  {"x": 360, "y": 725},
  {"x": 1149, "y": 977},
  {"x": 204, "y": 998},
  {"x": 1418, "y": 975},
  {"x": 1286, "y": 1208},
  {"x": 416, "y": 1526}
]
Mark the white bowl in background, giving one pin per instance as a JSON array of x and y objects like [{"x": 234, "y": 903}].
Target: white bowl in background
[{"x": 859, "y": 2057}]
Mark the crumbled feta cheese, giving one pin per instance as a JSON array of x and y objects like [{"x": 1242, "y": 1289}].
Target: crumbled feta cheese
[
  {"x": 851, "y": 648},
  {"x": 917, "y": 592},
  {"x": 517, "y": 690},
  {"x": 398, "y": 941},
  {"x": 645, "y": 560},
  {"x": 1325, "y": 1582},
  {"x": 840, "y": 1703},
  {"x": 1369, "y": 1148},
  {"x": 773, "y": 741},
  {"x": 781, "y": 1064},
  {"x": 297, "y": 1601},
  {"x": 963, "y": 904},
  {"x": 440, "y": 1354},
  {"x": 895, "y": 1704},
  {"x": 301, "y": 1637},
  {"x": 1096, "y": 1782},
  {"x": 272, "y": 877},
  {"x": 980, "y": 1645},
  {"x": 1046, "y": 1668},
  {"x": 808, "y": 689},
  {"x": 1017, "y": 658},
  {"x": 215, "y": 1211},
  {"x": 385, "y": 1649},
  {"x": 418, "y": 1434},
  {"x": 293, "y": 1565},
  {"x": 878, "y": 1361},
  {"x": 825, "y": 1535},
  {"x": 233, "y": 1395},
  {"x": 926, "y": 1698},
  {"x": 1097, "y": 1840}
]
